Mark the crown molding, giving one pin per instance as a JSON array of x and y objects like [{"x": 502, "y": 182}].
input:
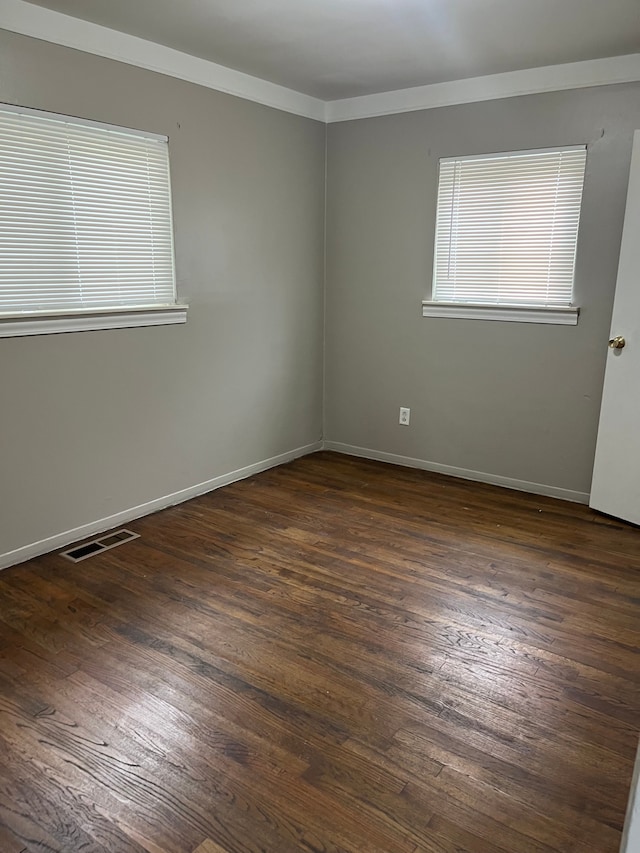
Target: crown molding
[
  {"x": 21, "y": 17},
  {"x": 531, "y": 81},
  {"x": 26, "y": 19}
]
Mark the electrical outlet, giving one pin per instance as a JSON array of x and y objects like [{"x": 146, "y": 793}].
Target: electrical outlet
[{"x": 405, "y": 415}]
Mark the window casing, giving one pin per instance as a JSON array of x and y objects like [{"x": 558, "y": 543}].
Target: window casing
[
  {"x": 506, "y": 233},
  {"x": 85, "y": 226}
]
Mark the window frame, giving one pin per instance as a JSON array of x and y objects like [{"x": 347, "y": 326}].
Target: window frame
[
  {"x": 66, "y": 319},
  {"x": 516, "y": 312}
]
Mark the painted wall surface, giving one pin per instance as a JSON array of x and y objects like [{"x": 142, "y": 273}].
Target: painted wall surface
[
  {"x": 98, "y": 422},
  {"x": 95, "y": 423},
  {"x": 508, "y": 399}
]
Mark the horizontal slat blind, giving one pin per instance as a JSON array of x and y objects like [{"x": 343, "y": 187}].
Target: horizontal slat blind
[
  {"x": 507, "y": 227},
  {"x": 85, "y": 216}
]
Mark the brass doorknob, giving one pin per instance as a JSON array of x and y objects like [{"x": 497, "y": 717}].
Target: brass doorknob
[{"x": 617, "y": 343}]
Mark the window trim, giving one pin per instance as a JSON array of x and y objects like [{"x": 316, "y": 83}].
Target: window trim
[
  {"x": 55, "y": 321},
  {"x": 560, "y": 316},
  {"x": 565, "y": 315},
  {"x": 116, "y": 128}
]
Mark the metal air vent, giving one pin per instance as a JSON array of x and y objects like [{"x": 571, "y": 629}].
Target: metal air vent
[{"x": 97, "y": 546}]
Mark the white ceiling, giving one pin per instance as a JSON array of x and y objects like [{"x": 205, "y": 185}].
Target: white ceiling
[{"x": 335, "y": 49}]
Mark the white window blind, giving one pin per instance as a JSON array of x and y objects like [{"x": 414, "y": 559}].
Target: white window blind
[
  {"x": 507, "y": 227},
  {"x": 85, "y": 216}
]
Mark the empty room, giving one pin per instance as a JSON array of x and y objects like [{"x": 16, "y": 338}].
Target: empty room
[{"x": 320, "y": 426}]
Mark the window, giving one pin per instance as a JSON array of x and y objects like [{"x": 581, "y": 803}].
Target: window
[
  {"x": 86, "y": 237},
  {"x": 506, "y": 233}
]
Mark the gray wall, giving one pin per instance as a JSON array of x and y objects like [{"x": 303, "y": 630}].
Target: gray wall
[
  {"x": 508, "y": 399},
  {"x": 95, "y": 423}
]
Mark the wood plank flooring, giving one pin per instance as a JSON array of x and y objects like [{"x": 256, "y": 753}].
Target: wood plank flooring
[{"x": 333, "y": 656}]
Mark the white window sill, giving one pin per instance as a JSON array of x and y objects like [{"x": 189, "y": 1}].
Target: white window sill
[
  {"x": 509, "y": 313},
  {"x": 55, "y": 322}
]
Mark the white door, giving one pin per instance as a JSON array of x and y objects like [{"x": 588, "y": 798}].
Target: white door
[{"x": 616, "y": 475}]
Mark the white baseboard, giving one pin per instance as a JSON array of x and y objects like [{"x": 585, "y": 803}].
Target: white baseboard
[
  {"x": 463, "y": 473},
  {"x": 61, "y": 540}
]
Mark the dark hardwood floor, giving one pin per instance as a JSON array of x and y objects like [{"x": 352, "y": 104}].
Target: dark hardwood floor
[{"x": 335, "y": 655}]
